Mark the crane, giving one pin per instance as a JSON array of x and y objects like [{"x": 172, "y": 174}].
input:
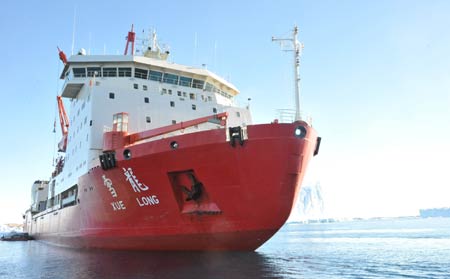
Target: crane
[
  {"x": 130, "y": 39},
  {"x": 64, "y": 121}
]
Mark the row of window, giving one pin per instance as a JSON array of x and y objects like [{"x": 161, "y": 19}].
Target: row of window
[
  {"x": 211, "y": 88},
  {"x": 138, "y": 73},
  {"x": 192, "y": 96},
  {"x": 147, "y": 100}
]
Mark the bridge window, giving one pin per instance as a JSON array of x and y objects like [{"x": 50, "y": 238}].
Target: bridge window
[
  {"x": 209, "y": 87},
  {"x": 156, "y": 76},
  {"x": 185, "y": 81},
  {"x": 91, "y": 71},
  {"x": 124, "y": 72},
  {"x": 79, "y": 72},
  {"x": 109, "y": 72},
  {"x": 169, "y": 78},
  {"x": 140, "y": 73},
  {"x": 198, "y": 83}
]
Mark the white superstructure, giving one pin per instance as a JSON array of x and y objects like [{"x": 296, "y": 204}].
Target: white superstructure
[{"x": 154, "y": 93}]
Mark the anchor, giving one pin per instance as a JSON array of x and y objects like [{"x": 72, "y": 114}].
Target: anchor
[{"x": 196, "y": 189}]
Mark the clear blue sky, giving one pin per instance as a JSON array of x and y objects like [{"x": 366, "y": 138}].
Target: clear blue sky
[{"x": 375, "y": 79}]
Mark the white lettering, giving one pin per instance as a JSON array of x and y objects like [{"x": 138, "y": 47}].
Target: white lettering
[
  {"x": 108, "y": 183},
  {"x": 118, "y": 205},
  {"x": 134, "y": 182},
  {"x": 147, "y": 200}
]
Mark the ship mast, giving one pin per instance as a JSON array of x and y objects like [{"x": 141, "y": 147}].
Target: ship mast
[{"x": 296, "y": 48}]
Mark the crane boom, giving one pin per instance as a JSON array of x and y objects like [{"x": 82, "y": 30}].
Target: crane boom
[
  {"x": 64, "y": 122},
  {"x": 130, "y": 39}
]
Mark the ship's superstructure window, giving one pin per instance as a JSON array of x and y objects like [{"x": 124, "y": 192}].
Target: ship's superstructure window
[
  {"x": 94, "y": 71},
  {"x": 179, "y": 93},
  {"x": 194, "y": 107},
  {"x": 144, "y": 87},
  {"x": 209, "y": 87},
  {"x": 174, "y": 122},
  {"x": 111, "y": 95},
  {"x": 170, "y": 78},
  {"x": 124, "y": 72},
  {"x": 185, "y": 81},
  {"x": 163, "y": 91},
  {"x": 79, "y": 72},
  {"x": 146, "y": 100},
  {"x": 172, "y": 103},
  {"x": 156, "y": 76},
  {"x": 148, "y": 119},
  {"x": 192, "y": 96},
  {"x": 140, "y": 73},
  {"x": 196, "y": 83},
  {"x": 109, "y": 72},
  {"x": 135, "y": 86},
  {"x": 169, "y": 91},
  {"x": 214, "y": 110}
]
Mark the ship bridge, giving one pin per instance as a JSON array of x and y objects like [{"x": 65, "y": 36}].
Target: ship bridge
[{"x": 140, "y": 67}]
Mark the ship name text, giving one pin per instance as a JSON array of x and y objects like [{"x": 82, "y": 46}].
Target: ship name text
[
  {"x": 147, "y": 200},
  {"x": 108, "y": 183},
  {"x": 134, "y": 182},
  {"x": 118, "y": 205}
]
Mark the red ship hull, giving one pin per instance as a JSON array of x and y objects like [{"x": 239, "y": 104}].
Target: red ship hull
[{"x": 247, "y": 193}]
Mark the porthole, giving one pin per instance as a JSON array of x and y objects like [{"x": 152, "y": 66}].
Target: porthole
[
  {"x": 127, "y": 154},
  {"x": 174, "y": 145},
  {"x": 300, "y": 132}
]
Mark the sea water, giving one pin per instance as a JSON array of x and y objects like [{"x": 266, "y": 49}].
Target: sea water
[{"x": 394, "y": 248}]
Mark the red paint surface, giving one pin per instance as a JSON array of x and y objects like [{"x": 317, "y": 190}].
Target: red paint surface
[{"x": 248, "y": 193}]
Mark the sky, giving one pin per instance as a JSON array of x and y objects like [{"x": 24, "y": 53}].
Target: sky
[{"x": 375, "y": 78}]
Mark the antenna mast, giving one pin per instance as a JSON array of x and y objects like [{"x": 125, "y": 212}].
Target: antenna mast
[
  {"x": 73, "y": 28},
  {"x": 297, "y": 48}
]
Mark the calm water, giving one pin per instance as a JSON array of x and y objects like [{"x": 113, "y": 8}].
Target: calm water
[{"x": 406, "y": 248}]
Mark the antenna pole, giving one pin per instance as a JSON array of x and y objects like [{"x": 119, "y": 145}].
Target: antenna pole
[
  {"x": 296, "y": 48},
  {"x": 73, "y": 28}
]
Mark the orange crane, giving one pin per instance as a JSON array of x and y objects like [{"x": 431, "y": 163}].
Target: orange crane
[{"x": 64, "y": 121}]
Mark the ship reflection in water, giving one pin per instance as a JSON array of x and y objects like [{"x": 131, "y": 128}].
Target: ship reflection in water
[
  {"x": 45, "y": 261},
  {"x": 384, "y": 248}
]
